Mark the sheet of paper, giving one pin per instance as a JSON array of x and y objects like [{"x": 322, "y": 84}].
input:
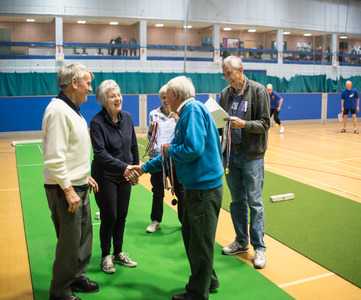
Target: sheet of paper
[{"x": 217, "y": 112}]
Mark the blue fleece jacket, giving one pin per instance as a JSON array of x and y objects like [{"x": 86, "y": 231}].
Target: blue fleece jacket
[{"x": 196, "y": 149}]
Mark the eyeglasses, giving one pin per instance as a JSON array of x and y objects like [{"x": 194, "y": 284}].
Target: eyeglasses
[{"x": 228, "y": 74}]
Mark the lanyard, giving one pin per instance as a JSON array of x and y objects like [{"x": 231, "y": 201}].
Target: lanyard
[
  {"x": 165, "y": 166},
  {"x": 228, "y": 146},
  {"x": 152, "y": 140}
]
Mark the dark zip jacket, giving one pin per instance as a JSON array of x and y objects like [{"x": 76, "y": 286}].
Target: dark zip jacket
[
  {"x": 257, "y": 117},
  {"x": 114, "y": 145}
]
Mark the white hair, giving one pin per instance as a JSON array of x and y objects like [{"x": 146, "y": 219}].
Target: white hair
[
  {"x": 183, "y": 86},
  {"x": 105, "y": 86},
  {"x": 269, "y": 86},
  {"x": 68, "y": 72}
]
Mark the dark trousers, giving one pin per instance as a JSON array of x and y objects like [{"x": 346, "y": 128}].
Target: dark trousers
[
  {"x": 200, "y": 219},
  {"x": 75, "y": 235},
  {"x": 275, "y": 112},
  {"x": 113, "y": 202},
  {"x": 156, "y": 180}
]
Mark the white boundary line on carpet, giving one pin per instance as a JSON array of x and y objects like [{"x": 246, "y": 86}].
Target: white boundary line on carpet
[
  {"x": 7, "y": 190},
  {"x": 305, "y": 280},
  {"x": 14, "y": 143}
]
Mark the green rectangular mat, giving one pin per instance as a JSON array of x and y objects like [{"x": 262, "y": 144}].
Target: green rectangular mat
[
  {"x": 320, "y": 225},
  {"x": 162, "y": 269}
]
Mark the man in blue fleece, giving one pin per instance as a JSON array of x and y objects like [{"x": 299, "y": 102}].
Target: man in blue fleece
[{"x": 197, "y": 156}]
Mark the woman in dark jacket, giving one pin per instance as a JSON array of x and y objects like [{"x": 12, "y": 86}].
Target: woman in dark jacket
[{"x": 115, "y": 151}]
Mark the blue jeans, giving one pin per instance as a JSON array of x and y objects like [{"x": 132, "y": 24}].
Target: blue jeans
[{"x": 245, "y": 182}]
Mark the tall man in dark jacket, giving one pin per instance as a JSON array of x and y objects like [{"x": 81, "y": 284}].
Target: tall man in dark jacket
[{"x": 247, "y": 103}]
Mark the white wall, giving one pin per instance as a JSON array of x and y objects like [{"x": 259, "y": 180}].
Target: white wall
[{"x": 338, "y": 16}]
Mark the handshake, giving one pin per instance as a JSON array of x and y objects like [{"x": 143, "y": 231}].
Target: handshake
[{"x": 132, "y": 174}]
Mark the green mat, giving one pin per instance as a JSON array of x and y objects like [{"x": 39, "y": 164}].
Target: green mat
[
  {"x": 162, "y": 269},
  {"x": 320, "y": 225}
]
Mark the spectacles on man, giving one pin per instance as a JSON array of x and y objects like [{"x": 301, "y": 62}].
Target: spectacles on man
[{"x": 228, "y": 74}]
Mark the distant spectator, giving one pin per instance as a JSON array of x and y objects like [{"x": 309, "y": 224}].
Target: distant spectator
[
  {"x": 112, "y": 49},
  {"x": 133, "y": 41},
  {"x": 125, "y": 50},
  {"x": 260, "y": 47},
  {"x": 118, "y": 40}
]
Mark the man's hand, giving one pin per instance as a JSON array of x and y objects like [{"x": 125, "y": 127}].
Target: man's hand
[
  {"x": 165, "y": 148},
  {"x": 131, "y": 174},
  {"x": 93, "y": 185},
  {"x": 72, "y": 198},
  {"x": 236, "y": 122}
]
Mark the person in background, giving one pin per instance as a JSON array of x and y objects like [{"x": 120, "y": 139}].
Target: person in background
[
  {"x": 66, "y": 152},
  {"x": 115, "y": 151},
  {"x": 247, "y": 103},
  {"x": 118, "y": 41},
  {"x": 197, "y": 155},
  {"x": 112, "y": 49},
  {"x": 133, "y": 41},
  {"x": 125, "y": 50},
  {"x": 350, "y": 101},
  {"x": 275, "y": 104},
  {"x": 166, "y": 124}
]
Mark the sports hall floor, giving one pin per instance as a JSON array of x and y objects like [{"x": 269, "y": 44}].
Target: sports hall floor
[{"x": 296, "y": 154}]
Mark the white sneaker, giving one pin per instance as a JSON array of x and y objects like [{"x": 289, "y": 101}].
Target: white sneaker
[
  {"x": 282, "y": 130},
  {"x": 259, "y": 261},
  {"x": 235, "y": 248},
  {"x": 153, "y": 226},
  {"x": 107, "y": 264},
  {"x": 123, "y": 259}
]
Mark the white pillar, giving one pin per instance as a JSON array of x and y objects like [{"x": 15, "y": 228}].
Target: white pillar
[
  {"x": 334, "y": 48},
  {"x": 216, "y": 40},
  {"x": 59, "y": 51},
  {"x": 143, "y": 40},
  {"x": 280, "y": 45}
]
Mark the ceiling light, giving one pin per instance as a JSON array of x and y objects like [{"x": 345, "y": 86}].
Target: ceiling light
[
  {"x": 189, "y": 26},
  {"x": 113, "y": 23},
  {"x": 227, "y": 29},
  {"x": 307, "y": 34},
  {"x": 286, "y": 33},
  {"x": 159, "y": 25},
  {"x": 81, "y": 22},
  {"x": 343, "y": 37},
  {"x": 252, "y": 30},
  {"x": 30, "y": 20}
]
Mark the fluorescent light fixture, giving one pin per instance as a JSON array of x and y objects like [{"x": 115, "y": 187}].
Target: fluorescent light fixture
[
  {"x": 159, "y": 25},
  {"x": 189, "y": 26},
  {"x": 307, "y": 34},
  {"x": 252, "y": 30},
  {"x": 113, "y": 23},
  {"x": 81, "y": 22},
  {"x": 343, "y": 37},
  {"x": 30, "y": 20},
  {"x": 286, "y": 33},
  {"x": 227, "y": 29}
]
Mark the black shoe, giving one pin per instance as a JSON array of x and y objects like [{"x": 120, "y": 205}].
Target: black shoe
[
  {"x": 85, "y": 286},
  {"x": 70, "y": 297},
  {"x": 211, "y": 288},
  {"x": 180, "y": 297}
]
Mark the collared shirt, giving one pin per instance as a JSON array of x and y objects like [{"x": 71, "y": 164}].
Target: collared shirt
[
  {"x": 237, "y": 109},
  {"x": 181, "y": 106},
  {"x": 65, "y": 98}
]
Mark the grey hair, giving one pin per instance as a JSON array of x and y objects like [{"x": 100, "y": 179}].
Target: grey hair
[
  {"x": 269, "y": 86},
  {"x": 183, "y": 86},
  {"x": 233, "y": 61},
  {"x": 68, "y": 72},
  {"x": 105, "y": 86},
  {"x": 163, "y": 90}
]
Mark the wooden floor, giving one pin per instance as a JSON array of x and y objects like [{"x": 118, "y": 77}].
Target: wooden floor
[{"x": 318, "y": 155}]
